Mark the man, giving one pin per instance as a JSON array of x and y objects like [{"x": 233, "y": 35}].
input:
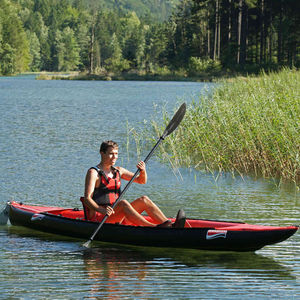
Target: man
[{"x": 102, "y": 189}]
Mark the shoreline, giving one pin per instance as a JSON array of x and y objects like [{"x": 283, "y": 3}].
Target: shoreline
[{"x": 207, "y": 77}]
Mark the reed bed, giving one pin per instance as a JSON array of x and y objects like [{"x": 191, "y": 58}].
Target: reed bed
[{"x": 249, "y": 125}]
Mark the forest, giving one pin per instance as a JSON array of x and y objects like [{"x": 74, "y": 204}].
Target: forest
[{"x": 191, "y": 37}]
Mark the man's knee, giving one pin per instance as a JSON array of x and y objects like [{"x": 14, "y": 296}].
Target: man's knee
[
  {"x": 124, "y": 203},
  {"x": 145, "y": 200}
]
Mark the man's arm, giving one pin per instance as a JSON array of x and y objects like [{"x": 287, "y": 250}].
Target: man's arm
[{"x": 141, "y": 178}]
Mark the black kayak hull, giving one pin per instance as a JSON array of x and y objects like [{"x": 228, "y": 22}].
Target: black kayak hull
[{"x": 204, "y": 238}]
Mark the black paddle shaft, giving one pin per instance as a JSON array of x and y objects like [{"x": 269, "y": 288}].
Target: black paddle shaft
[
  {"x": 173, "y": 124},
  {"x": 137, "y": 172}
]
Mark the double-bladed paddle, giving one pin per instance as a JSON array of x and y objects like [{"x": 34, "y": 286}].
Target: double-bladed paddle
[{"x": 177, "y": 118}]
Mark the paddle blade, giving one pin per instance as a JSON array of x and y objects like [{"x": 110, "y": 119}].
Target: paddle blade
[
  {"x": 175, "y": 120},
  {"x": 87, "y": 244}
]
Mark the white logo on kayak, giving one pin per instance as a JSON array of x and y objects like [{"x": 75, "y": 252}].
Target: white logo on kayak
[
  {"x": 36, "y": 217},
  {"x": 214, "y": 234}
]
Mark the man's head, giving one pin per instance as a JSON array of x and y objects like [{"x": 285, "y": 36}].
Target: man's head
[{"x": 107, "y": 144}]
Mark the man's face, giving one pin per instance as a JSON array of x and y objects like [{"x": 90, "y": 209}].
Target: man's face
[{"x": 110, "y": 156}]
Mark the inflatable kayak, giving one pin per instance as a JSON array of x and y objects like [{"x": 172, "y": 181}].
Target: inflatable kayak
[{"x": 197, "y": 233}]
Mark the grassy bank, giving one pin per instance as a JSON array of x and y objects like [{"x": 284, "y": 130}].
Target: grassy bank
[
  {"x": 249, "y": 125},
  {"x": 190, "y": 73},
  {"x": 181, "y": 75}
]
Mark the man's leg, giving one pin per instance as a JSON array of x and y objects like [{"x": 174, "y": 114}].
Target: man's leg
[
  {"x": 144, "y": 203},
  {"x": 124, "y": 208}
]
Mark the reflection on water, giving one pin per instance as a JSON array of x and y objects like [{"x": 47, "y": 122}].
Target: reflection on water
[
  {"x": 254, "y": 264},
  {"x": 113, "y": 271}
]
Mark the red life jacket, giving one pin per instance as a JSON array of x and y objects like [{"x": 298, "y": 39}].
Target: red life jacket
[{"x": 109, "y": 189}]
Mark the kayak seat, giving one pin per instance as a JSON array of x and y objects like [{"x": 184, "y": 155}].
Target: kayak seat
[
  {"x": 85, "y": 209},
  {"x": 97, "y": 216}
]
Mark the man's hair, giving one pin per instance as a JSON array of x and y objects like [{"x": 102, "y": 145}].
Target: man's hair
[{"x": 106, "y": 144}]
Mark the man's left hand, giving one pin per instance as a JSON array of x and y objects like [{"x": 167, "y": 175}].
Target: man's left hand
[{"x": 141, "y": 165}]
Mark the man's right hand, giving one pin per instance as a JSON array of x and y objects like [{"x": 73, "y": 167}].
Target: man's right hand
[{"x": 109, "y": 210}]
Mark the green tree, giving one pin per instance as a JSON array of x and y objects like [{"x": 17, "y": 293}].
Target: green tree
[
  {"x": 14, "y": 47},
  {"x": 116, "y": 62},
  {"x": 35, "y": 63},
  {"x": 81, "y": 32},
  {"x": 83, "y": 40},
  {"x": 8, "y": 59},
  {"x": 156, "y": 45},
  {"x": 67, "y": 50},
  {"x": 107, "y": 23},
  {"x": 133, "y": 39},
  {"x": 240, "y": 33}
]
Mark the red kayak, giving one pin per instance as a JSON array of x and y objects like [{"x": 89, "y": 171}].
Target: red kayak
[{"x": 197, "y": 233}]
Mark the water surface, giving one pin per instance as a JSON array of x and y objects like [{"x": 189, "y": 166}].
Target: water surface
[{"x": 50, "y": 135}]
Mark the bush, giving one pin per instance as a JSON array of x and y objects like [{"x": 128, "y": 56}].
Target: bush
[
  {"x": 197, "y": 66},
  {"x": 117, "y": 65}
]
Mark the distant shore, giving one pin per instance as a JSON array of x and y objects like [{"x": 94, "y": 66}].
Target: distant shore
[{"x": 205, "y": 77}]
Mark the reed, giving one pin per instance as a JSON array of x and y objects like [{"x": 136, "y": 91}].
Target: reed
[{"x": 249, "y": 125}]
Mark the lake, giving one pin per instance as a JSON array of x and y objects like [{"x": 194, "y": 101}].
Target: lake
[{"x": 50, "y": 136}]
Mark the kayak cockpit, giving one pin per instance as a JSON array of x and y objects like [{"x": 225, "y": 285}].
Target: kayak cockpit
[{"x": 77, "y": 214}]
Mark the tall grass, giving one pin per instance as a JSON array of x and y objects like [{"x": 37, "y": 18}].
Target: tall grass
[{"x": 250, "y": 125}]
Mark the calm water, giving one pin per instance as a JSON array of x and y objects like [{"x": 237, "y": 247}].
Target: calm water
[{"x": 50, "y": 134}]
